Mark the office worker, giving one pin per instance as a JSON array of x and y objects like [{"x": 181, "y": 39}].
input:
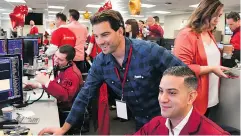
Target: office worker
[
  {"x": 67, "y": 78},
  {"x": 233, "y": 21},
  {"x": 132, "y": 28},
  {"x": 155, "y": 29},
  {"x": 61, "y": 36},
  {"x": 195, "y": 46},
  {"x": 34, "y": 29},
  {"x": 132, "y": 69},
  {"x": 81, "y": 34},
  {"x": 177, "y": 92}
]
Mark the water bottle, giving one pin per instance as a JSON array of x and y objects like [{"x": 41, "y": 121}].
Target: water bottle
[{"x": 35, "y": 62}]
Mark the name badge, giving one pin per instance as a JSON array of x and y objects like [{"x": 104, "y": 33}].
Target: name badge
[{"x": 121, "y": 109}]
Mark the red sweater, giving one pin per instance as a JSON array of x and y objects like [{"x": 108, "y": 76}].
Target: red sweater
[
  {"x": 197, "y": 125},
  {"x": 156, "y": 31},
  {"x": 66, "y": 85},
  {"x": 34, "y": 30},
  {"x": 63, "y": 36},
  {"x": 235, "y": 39}
]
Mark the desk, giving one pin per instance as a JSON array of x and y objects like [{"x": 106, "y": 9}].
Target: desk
[
  {"x": 47, "y": 111},
  {"x": 228, "y": 111}
]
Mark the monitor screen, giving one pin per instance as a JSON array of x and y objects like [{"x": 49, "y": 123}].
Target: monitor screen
[
  {"x": 10, "y": 79},
  {"x": 30, "y": 50},
  {"x": 15, "y": 46},
  {"x": 3, "y": 47},
  {"x": 36, "y": 17}
]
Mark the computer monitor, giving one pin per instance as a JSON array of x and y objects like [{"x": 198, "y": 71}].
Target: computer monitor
[
  {"x": 11, "y": 79},
  {"x": 30, "y": 49},
  {"x": 168, "y": 43},
  {"x": 3, "y": 49},
  {"x": 15, "y": 46}
]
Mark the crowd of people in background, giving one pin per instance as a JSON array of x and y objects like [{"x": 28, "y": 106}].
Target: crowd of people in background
[{"x": 138, "y": 71}]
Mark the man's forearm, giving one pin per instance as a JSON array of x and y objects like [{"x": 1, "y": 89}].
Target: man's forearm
[{"x": 66, "y": 127}]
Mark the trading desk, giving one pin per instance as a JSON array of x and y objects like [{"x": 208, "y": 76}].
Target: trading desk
[
  {"x": 47, "y": 111},
  {"x": 228, "y": 111}
]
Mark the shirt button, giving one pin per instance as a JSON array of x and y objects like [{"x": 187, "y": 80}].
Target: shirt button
[
  {"x": 132, "y": 91},
  {"x": 127, "y": 80},
  {"x": 147, "y": 116},
  {"x": 142, "y": 77},
  {"x": 136, "y": 100},
  {"x": 142, "y": 109},
  {"x": 112, "y": 82},
  {"x": 123, "y": 68}
]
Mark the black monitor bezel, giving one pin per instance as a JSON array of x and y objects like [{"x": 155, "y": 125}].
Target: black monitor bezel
[{"x": 20, "y": 99}]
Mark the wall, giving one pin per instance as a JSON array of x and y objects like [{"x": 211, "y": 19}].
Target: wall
[{"x": 172, "y": 23}]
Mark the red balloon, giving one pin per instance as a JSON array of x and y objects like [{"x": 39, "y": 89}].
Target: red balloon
[
  {"x": 23, "y": 9},
  {"x": 18, "y": 15},
  {"x": 106, "y": 6},
  {"x": 17, "y": 19}
]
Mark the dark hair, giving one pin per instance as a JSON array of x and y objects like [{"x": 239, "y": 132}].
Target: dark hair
[
  {"x": 134, "y": 27},
  {"x": 156, "y": 19},
  {"x": 234, "y": 15},
  {"x": 113, "y": 17},
  {"x": 74, "y": 13},
  {"x": 69, "y": 51},
  {"x": 61, "y": 16},
  {"x": 190, "y": 79},
  {"x": 142, "y": 21},
  {"x": 206, "y": 10}
]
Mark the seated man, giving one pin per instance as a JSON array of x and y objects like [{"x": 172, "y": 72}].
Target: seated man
[
  {"x": 67, "y": 78},
  {"x": 177, "y": 92}
]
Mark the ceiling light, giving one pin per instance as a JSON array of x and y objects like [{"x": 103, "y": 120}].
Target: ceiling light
[
  {"x": 30, "y": 9},
  {"x": 54, "y": 12},
  {"x": 5, "y": 13},
  {"x": 84, "y": 12},
  {"x": 16, "y": 1},
  {"x": 56, "y": 7},
  {"x": 194, "y": 6},
  {"x": 2, "y": 9},
  {"x": 93, "y": 6},
  {"x": 147, "y": 5},
  {"x": 161, "y": 12},
  {"x": 137, "y": 15},
  {"x": 123, "y": 12}
]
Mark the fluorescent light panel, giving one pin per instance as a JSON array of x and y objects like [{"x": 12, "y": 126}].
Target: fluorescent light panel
[
  {"x": 84, "y": 12},
  {"x": 5, "y": 13},
  {"x": 93, "y": 6},
  {"x": 194, "y": 6},
  {"x": 16, "y": 1},
  {"x": 147, "y": 5},
  {"x": 137, "y": 15},
  {"x": 161, "y": 12},
  {"x": 54, "y": 12},
  {"x": 56, "y": 7}
]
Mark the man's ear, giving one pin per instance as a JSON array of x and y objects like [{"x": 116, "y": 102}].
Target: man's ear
[
  {"x": 192, "y": 96},
  {"x": 121, "y": 31}
]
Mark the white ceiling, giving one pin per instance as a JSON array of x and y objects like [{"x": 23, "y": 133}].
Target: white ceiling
[{"x": 177, "y": 6}]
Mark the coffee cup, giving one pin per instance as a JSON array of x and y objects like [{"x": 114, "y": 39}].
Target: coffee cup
[{"x": 7, "y": 113}]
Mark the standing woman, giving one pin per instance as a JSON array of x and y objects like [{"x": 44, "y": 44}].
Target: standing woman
[
  {"x": 132, "y": 28},
  {"x": 195, "y": 46}
]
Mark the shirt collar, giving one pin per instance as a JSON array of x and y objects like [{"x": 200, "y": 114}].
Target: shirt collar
[
  {"x": 180, "y": 126},
  {"x": 236, "y": 30},
  {"x": 128, "y": 43}
]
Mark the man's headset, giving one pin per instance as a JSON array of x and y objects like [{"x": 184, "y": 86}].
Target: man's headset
[{"x": 58, "y": 68}]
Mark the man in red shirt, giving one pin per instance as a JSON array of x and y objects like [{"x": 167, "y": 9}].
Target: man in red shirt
[
  {"x": 61, "y": 36},
  {"x": 34, "y": 29},
  {"x": 177, "y": 92},
  {"x": 155, "y": 29},
  {"x": 66, "y": 83},
  {"x": 233, "y": 21}
]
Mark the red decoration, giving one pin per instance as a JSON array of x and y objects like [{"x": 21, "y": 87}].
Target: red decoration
[
  {"x": 18, "y": 15},
  {"x": 106, "y": 6}
]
